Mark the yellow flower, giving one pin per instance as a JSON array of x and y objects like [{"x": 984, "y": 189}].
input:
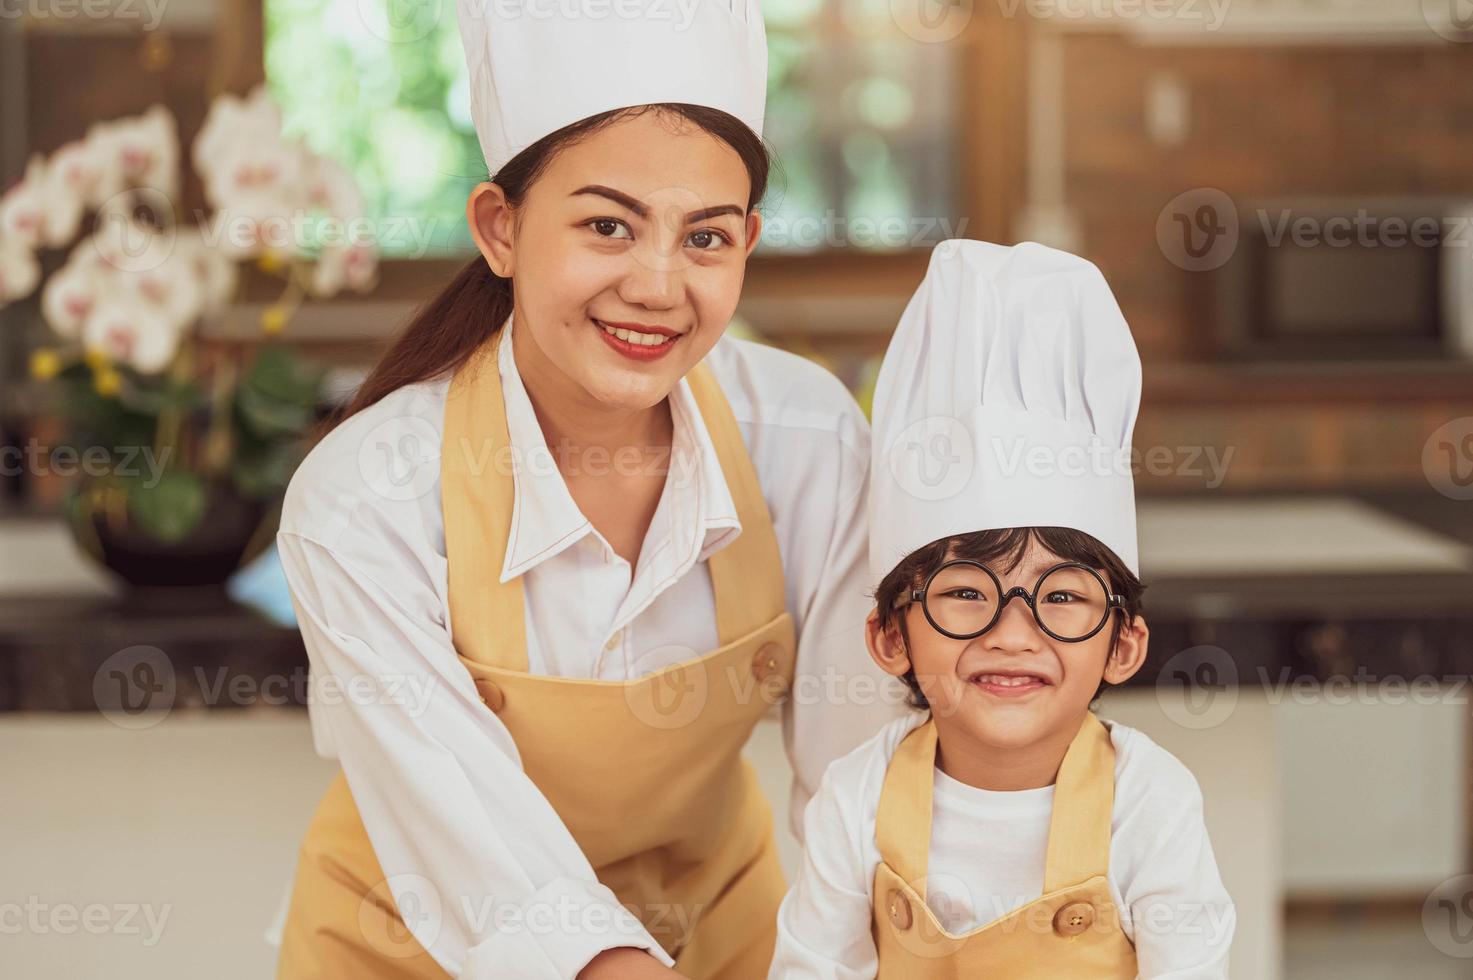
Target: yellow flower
[
  {"x": 108, "y": 382},
  {"x": 96, "y": 358},
  {"x": 269, "y": 262},
  {"x": 46, "y": 364},
  {"x": 273, "y": 320}
]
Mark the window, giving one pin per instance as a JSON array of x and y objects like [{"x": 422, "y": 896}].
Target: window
[{"x": 859, "y": 114}]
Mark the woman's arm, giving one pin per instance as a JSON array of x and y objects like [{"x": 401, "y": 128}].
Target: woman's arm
[{"x": 437, "y": 777}]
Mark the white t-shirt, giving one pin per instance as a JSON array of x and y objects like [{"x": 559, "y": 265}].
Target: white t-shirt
[{"x": 987, "y": 859}]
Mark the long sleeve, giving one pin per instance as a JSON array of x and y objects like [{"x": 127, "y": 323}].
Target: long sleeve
[
  {"x": 438, "y": 781},
  {"x": 1181, "y": 918},
  {"x": 839, "y": 698},
  {"x": 823, "y": 926}
]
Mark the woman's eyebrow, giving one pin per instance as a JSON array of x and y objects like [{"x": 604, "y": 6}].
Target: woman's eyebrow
[{"x": 643, "y": 210}]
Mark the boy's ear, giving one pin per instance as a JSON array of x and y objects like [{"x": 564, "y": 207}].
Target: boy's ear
[
  {"x": 886, "y": 646},
  {"x": 1129, "y": 654}
]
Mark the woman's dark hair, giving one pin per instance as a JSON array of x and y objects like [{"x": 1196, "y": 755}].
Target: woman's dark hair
[
  {"x": 447, "y": 329},
  {"x": 1001, "y": 550}
]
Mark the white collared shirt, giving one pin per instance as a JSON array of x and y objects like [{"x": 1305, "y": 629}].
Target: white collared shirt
[
  {"x": 455, "y": 823},
  {"x": 987, "y": 857}
]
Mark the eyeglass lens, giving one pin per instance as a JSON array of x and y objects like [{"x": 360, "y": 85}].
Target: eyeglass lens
[{"x": 1070, "y": 602}]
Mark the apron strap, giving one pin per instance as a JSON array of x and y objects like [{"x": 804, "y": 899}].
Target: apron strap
[
  {"x": 742, "y": 604},
  {"x": 903, "y": 822},
  {"x": 478, "y": 500},
  {"x": 1084, "y": 804},
  {"x": 1079, "y": 830}
]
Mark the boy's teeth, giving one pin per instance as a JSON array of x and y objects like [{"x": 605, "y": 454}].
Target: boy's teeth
[
  {"x": 633, "y": 337},
  {"x": 1007, "y": 681}
]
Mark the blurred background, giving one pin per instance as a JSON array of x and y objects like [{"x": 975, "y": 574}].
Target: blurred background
[{"x": 1279, "y": 191}]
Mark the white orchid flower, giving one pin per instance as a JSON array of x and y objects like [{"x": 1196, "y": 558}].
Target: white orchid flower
[
  {"x": 71, "y": 293},
  {"x": 126, "y": 329},
  {"x": 216, "y": 273},
  {"x": 352, "y": 267},
  {"x": 140, "y": 151},
  {"x": 23, "y": 207},
  {"x": 19, "y": 271},
  {"x": 233, "y": 122}
]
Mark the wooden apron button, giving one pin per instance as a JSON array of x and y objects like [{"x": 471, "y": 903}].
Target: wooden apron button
[
  {"x": 491, "y": 695},
  {"x": 898, "y": 907},
  {"x": 766, "y": 660},
  {"x": 1074, "y": 919}
]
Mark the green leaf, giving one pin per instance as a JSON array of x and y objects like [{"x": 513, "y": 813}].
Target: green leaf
[
  {"x": 278, "y": 394},
  {"x": 169, "y": 509}
]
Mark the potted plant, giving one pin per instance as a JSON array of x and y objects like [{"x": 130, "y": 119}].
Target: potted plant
[{"x": 186, "y": 437}]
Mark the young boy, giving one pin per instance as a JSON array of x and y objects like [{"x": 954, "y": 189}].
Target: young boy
[{"x": 1007, "y": 832}]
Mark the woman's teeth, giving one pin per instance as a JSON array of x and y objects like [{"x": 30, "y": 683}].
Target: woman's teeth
[{"x": 633, "y": 337}]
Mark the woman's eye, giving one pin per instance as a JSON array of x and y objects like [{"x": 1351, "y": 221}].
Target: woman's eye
[
  {"x": 610, "y": 228},
  {"x": 707, "y": 240}
]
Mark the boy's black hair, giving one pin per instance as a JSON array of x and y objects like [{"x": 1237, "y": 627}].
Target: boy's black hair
[{"x": 1001, "y": 550}]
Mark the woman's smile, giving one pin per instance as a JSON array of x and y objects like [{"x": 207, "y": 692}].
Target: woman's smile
[{"x": 638, "y": 341}]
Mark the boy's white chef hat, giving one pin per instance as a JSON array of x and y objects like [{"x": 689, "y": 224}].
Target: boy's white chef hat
[
  {"x": 536, "y": 66},
  {"x": 1006, "y": 399}
]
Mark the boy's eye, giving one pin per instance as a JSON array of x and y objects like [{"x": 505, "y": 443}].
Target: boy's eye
[
  {"x": 1061, "y": 597},
  {"x": 971, "y": 595}
]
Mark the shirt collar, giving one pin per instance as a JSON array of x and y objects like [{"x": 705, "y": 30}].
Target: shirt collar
[{"x": 545, "y": 518}]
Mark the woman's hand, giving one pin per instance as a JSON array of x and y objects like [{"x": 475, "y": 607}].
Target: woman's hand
[{"x": 625, "y": 963}]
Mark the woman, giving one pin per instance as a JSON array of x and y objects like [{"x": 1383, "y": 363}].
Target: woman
[{"x": 569, "y": 545}]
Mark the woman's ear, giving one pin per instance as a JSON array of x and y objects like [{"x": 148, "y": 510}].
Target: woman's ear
[
  {"x": 754, "y": 230},
  {"x": 886, "y": 645},
  {"x": 1129, "y": 654},
  {"x": 493, "y": 226}
]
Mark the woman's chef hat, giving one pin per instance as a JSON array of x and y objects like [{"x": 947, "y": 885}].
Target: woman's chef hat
[
  {"x": 539, "y": 65},
  {"x": 1006, "y": 399}
]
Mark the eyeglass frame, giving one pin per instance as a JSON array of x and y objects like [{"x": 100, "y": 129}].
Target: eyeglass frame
[{"x": 1112, "y": 601}]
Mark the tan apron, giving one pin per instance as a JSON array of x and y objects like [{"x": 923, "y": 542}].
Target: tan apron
[
  {"x": 1073, "y": 931},
  {"x": 646, "y": 774}
]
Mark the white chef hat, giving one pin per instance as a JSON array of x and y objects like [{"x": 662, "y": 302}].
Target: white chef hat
[
  {"x": 538, "y": 65},
  {"x": 1006, "y": 399}
]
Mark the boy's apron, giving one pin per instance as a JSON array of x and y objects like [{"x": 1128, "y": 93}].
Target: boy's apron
[
  {"x": 1072, "y": 931},
  {"x": 646, "y": 774}
]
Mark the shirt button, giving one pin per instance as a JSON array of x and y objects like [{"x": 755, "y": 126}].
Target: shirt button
[
  {"x": 1074, "y": 919},
  {"x": 898, "y": 906},
  {"x": 613, "y": 643}
]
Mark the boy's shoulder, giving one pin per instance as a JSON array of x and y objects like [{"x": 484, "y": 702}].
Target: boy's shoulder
[
  {"x": 1151, "y": 784},
  {"x": 859, "y": 775}
]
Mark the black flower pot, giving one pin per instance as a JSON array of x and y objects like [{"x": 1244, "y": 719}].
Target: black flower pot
[{"x": 206, "y": 556}]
